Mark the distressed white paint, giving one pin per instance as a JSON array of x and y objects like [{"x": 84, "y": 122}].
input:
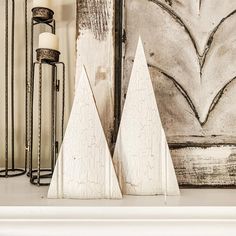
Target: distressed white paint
[
  {"x": 95, "y": 47},
  {"x": 218, "y": 164},
  {"x": 142, "y": 158},
  {"x": 84, "y": 168}
]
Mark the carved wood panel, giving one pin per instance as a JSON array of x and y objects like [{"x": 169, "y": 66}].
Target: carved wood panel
[{"x": 191, "y": 51}]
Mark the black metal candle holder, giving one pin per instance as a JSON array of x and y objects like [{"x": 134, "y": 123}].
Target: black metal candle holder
[
  {"x": 42, "y": 14},
  {"x": 10, "y": 169},
  {"x": 49, "y": 57}
]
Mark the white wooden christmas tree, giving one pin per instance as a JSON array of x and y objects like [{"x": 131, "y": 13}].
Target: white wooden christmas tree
[
  {"x": 84, "y": 169},
  {"x": 142, "y": 157}
]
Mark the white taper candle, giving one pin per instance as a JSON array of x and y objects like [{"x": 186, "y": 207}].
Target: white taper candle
[{"x": 49, "y": 40}]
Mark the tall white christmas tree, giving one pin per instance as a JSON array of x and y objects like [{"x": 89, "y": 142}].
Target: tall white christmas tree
[
  {"x": 84, "y": 169},
  {"x": 142, "y": 158}
]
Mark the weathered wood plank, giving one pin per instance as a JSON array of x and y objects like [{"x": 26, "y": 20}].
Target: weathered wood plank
[
  {"x": 94, "y": 16},
  {"x": 84, "y": 168},
  {"x": 95, "y": 46},
  {"x": 142, "y": 158},
  {"x": 215, "y": 166}
]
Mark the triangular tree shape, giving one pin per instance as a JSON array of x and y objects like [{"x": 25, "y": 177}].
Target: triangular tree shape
[
  {"x": 142, "y": 158},
  {"x": 84, "y": 169}
]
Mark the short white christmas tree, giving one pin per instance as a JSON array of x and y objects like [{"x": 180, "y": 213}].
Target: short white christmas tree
[{"x": 84, "y": 168}]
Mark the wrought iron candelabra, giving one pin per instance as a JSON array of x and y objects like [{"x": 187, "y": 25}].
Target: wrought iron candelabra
[
  {"x": 10, "y": 169},
  {"x": 50, "y": 57}
]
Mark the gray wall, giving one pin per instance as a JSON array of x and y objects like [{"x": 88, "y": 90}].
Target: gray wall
[{"x": 66, "y": 26}]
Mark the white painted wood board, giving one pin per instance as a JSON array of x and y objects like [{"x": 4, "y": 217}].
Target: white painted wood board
[
  {"x": 95, "y": 50},
  {"x": 29, "y": 211}
]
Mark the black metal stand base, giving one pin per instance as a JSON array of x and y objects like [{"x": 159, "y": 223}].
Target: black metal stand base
[
  {"x": 12, "y": 173},
  {"x": 36, "y": 173},
  {"x": 39, "y": 179},
  {"x": 10, "y": 169}
]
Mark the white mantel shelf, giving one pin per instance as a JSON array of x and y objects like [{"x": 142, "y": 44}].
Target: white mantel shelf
[{"x": 25, "y": 209}]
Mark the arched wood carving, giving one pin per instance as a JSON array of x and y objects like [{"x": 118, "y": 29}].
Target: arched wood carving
[{"x": 191, "y": 53}]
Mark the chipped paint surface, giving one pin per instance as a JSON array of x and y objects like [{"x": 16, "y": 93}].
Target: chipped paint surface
[
  {"x": 192, "y": 58},
  {"x": 211, "y": 166},
  {"x": 95, "y": 50},
  {"x": 94, "y": 15}
]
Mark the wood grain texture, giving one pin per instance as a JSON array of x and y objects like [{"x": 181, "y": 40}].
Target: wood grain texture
[
  {"x": 214, "y": 166},
  {"x": 191, "y": 56},
  {"x": 95, "y": 47},
  {"x": 84, "y": 168},
  {"x": 142, "y": 158},
  {"x": 94, "y": 16}
]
